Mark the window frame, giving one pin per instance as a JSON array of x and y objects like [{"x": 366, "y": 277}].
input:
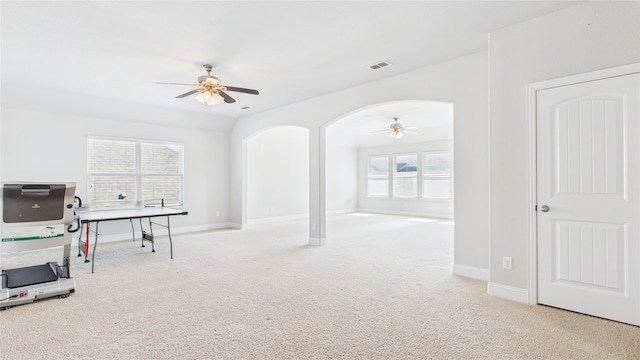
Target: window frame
[
  {"x": 396, "y": 175},
  {"x": 138, "y": 172},
  {"x": 378, "y": 177},
  {"x": 448, "y": 176}
]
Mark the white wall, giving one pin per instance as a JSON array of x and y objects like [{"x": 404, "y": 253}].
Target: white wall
[
  {"x": 463, "y": 82},
  {"x": 587, "y": 37},
  {"x": 39, "y": 146},
  {"x": 342, "y": 178},
  {"x": 278, "y": 174},
  {"x": 438, "y": 208}
]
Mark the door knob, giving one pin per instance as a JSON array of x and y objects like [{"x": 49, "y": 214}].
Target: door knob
[{"x": 544, "y": 208}]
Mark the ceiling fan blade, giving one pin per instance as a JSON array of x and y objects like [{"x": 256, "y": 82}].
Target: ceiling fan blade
[
  {"x": 411, "y": 128},
  {"x": 242, "y": 90},
  {"x": 410, "y": 132},
  {"x": 164, "y": 83},
  {"x": 187, "y": 93},
  {"x": 228, "y": 99}
]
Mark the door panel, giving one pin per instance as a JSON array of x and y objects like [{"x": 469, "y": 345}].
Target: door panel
[
  {"x": 588, "y": 141},
  {"x": 590, "y": 254},
  {"x": 589, "y": 176}
]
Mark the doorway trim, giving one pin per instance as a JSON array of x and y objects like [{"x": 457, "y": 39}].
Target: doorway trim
[{"x": 532, "y": 223}]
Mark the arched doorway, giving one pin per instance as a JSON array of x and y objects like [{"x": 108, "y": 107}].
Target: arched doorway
[{"x": 423, "y": 187}]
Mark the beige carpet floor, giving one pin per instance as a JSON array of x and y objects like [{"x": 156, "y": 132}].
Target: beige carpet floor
[{"x": 382, "y": 288}]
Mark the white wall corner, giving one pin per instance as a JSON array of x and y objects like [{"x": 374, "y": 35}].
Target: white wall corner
[
  {"x": 471, "y": 272},
  {"x": 238, "y": 226},
  {"x": 317, "y": 242},
  {"x": 508, "y": 292}
]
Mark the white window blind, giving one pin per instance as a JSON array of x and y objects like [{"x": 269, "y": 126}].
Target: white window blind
[
  {"x": 436, "y": 175},
  {"x": 405, "y": 176},
  {"x": 378, "y": 176},
  {"x": 123, "y": 172}
]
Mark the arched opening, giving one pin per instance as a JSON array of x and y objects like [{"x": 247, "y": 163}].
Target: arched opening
[
  {"x": 369, "y": 169},
  {"x": 277, "y": 175}
]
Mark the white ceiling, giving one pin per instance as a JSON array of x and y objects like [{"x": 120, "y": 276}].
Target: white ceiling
[{"x": 114, "y": 52}]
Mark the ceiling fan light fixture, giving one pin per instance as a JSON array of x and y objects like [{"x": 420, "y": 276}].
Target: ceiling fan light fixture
[
  {"x": 208, "y": 97},
  {"x": 396, "y": 134}
]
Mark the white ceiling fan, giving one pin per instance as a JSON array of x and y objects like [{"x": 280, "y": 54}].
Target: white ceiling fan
[{"x": 397, "y": 130}]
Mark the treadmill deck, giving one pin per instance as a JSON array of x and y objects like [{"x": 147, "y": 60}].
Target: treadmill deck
[{"x": 31, "y": 275}]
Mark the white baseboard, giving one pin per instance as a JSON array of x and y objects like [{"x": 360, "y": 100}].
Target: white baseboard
[
  {"x": 471, "y": 272},
  {"x": 341, "y": 211},
  {"x": 406, "y": 213},
  {"x": 277, "y": 219},
  {"x": 160, "y": 232},
  {"x": 317, "y": 241},
  {"x": 508, "y": 292},
  {"x": 190, "y": 229}
]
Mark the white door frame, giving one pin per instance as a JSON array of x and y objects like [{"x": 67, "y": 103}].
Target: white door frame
[{"x": 532, "y": 223}]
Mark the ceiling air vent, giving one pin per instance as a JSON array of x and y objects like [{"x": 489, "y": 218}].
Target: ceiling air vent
[{"x": 379, "y": 65}]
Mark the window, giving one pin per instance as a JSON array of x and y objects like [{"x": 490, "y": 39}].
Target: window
[
  {"x": 405, "y": 176},
  {"x": 436, "y": 175},
  {"x": 412, "y": 177},
  {"x": 378, "y": 178},
  {"x": 124, "y": 172}
]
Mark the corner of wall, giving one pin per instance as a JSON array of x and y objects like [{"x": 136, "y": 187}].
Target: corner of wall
[
  {"x": 508, "y": 292},
  {"x": 317, "y": 241},
  {"x": 471, "y": 272}
]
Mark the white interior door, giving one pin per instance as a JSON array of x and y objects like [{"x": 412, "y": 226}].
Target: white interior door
[{"x": 588, "y": 202}]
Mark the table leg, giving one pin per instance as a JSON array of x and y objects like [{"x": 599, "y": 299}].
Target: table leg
[
  {"x": 153, "y": 240},
  {"x": 80, "y": 233},
  {"x": 86, "y": 244},
  {"x": 133, "y": 230},
  {"x": 95, "y": 245},
  {"x": 141, "y": 233},
  {"x": 169, "y": 232}
]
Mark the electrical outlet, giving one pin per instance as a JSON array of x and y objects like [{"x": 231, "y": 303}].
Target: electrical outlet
[
  {"x": 217, "y": 213},
  {"x": 507, "y": 262}
]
